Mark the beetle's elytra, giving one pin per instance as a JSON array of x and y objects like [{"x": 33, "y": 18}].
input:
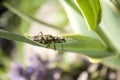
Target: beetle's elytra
[{"x": 48, "y": 39}]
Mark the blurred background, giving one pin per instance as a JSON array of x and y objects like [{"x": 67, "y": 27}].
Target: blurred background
[{"x": 22, "y": 61}]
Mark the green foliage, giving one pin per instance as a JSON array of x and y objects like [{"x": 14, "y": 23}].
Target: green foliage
[
  {"x": 17, "y": 37},
  {"x": 110, "y": 25},
  {"x": 108, "y": 29},
  {"x": 25, "y": 6},
  {"x": 76, "y": 19},
  {"x": 93, "y": 40},
  {"x": 91, "y": 11},
  {"x": 85, "y": 45}
]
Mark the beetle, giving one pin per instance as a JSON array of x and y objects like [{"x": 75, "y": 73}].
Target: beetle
[{"x": 48, "y": 39}]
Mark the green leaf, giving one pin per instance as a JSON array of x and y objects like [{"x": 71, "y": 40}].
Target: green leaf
[
  {"x": 84, "y": 45},
  {"x": 76, "y": 20},
  {"x": 74, "y": 43},
  {"x": 16, "y": 37},
  {"x": 91, "y": 11},
  {"x": 110, "y": 25},
  {"x": 112, "y": 62}
]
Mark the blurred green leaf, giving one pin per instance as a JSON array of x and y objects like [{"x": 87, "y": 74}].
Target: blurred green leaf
[
  {"x": 17, "y": 37},
  {"x": 113, "y": 62},
  {"x": 110, "y": 25},
  {"x": 91, "y": 11},
  {"x": 30, "y": 7},
  {"x": 116, "y": 3},
  {"x": 4, "y": 76},
  {"x": 28, "y": 17}
]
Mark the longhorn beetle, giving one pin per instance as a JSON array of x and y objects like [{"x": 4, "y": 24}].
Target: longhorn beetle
[{"x": 48, "y": 39}]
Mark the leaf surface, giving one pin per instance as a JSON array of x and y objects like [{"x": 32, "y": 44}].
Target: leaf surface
[{"x": 91, "y": 10}]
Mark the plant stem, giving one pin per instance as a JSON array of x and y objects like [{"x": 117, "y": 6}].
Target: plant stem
[{"x": 105, "y": 39}]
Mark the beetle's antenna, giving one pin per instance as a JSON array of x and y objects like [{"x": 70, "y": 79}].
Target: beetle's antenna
[
  {"x": 54, "y": 46},
  {"x": 40, "y": 33}
]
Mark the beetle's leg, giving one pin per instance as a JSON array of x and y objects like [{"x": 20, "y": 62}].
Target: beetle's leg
[
  {"x": 62, "y": 46},
  {"x": 41, "y": 33},
  {"x": 54, "y": 46},
  {"x": 48, "y": 45}
]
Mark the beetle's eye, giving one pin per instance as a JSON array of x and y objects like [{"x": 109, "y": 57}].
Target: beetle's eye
[{"x": 40, "y": 41}]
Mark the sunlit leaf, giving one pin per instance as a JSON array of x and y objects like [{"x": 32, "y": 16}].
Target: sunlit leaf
[
  {"x": 76, "y": 19},
  {"x": 91, "y": 11}
]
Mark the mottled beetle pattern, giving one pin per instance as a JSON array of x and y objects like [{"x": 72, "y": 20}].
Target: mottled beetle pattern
[{"x": 48, "y": 39}]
